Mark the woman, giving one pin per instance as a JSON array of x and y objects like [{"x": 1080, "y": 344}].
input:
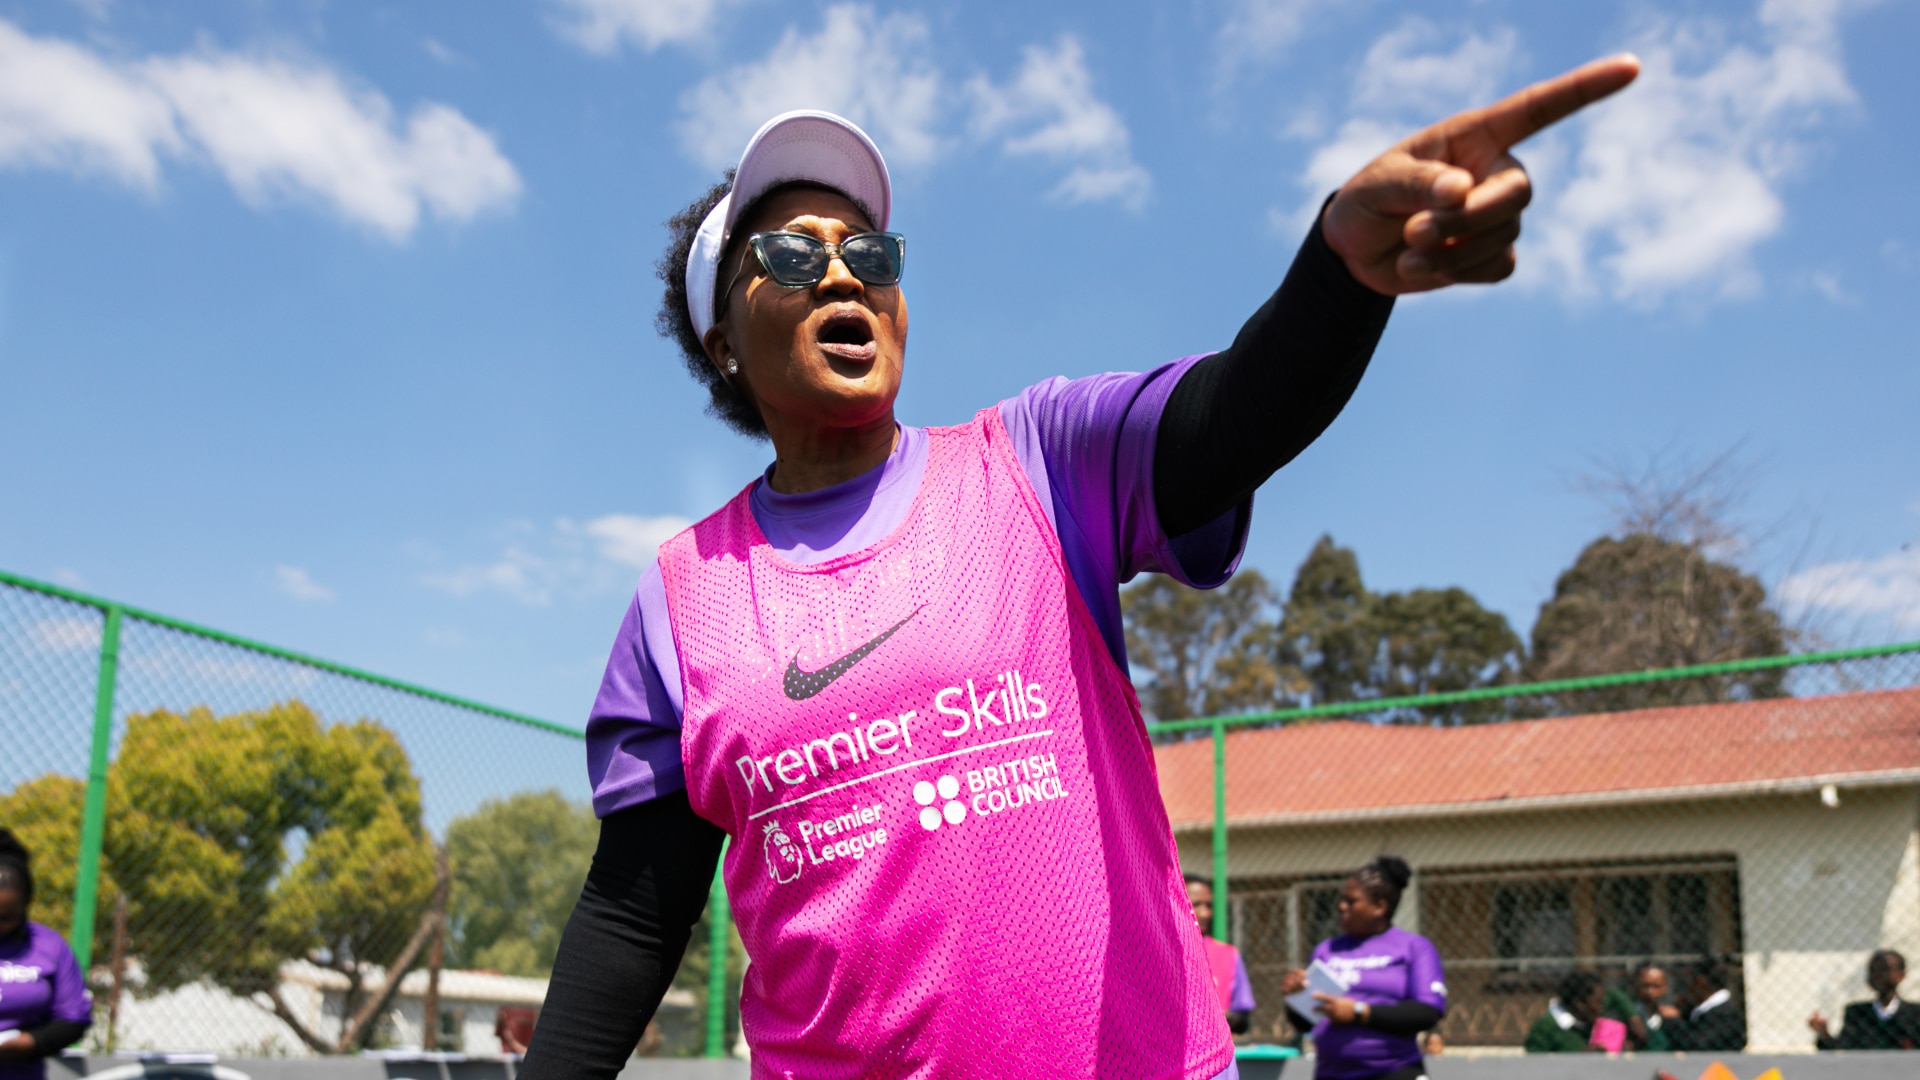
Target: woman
[
  {"x": 1567, "y": 1026},
  {"x": 1649, "y": 1023},
  {"x": 44, "y": 1007},
  {"x": 1395, "y": 987},
  {"x": 891, "y": 668},
  {"x": 1229, "y": 971}
]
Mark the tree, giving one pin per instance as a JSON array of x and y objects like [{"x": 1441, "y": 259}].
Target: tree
[
  {"x": 1640, "y": 601},
  {"x": 1338, "y": 641},
  {"x": 1661, "y": 589},
  {"x": 201, "y": 812},
  {"x": 1203, "y": 653},
  {"x": 518, "y": 865}
]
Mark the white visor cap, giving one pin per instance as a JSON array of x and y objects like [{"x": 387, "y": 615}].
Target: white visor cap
[{"x": 805, "y": 145}]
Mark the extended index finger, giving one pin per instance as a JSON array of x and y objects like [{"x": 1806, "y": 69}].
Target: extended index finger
[{"x": 1543, "y": 104}]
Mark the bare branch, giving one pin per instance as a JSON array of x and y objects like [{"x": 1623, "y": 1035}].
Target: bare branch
[
  {"x": 281, "y": 1009},
  {"x": 356, "y": 1032}
]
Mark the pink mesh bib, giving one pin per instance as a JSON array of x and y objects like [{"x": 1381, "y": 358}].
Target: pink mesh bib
[{"x": 950, "y": 858}]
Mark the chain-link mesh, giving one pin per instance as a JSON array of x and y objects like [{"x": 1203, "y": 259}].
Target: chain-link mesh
[
  {"x": 279, "y": 835},
  {"x": 1758, "y": 828}
]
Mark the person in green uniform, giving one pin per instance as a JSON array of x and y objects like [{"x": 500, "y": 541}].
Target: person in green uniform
[
  {"x": 1650, "y": 1025},
  {"x": 1567, "y": 1025}
]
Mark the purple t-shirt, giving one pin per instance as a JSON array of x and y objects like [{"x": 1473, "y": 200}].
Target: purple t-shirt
[
  {"x": 1086, "y": 446},
  {"x": 1240, "y": 999},
  {"x": 39, "y": 981},
  {"x": 1380, "y": 970}
]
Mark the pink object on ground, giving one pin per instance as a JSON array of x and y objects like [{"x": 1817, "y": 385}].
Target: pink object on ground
[
  {"x": 950, "y": 856},
  {"x": 1609, "y": 1035}
]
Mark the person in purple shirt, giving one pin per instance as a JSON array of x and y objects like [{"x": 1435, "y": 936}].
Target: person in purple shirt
[
  {"x": 783, "y": 294},
  {"x": 1395, "y": 988},
  {"x": 44, "y": 1007}
]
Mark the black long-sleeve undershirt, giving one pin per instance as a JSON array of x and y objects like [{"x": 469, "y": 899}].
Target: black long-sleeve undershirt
[
  {"x": 54, "y": 1036},
  {"x": 1402, "y": 1018},
  {"x": 1233, "y": 419},
  {"x": 1237, "y": 416},
  {"x": 648, "y": 884}
]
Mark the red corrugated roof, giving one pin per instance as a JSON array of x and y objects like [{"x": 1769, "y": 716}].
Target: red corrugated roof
[{"x": 1337, "y": 769}]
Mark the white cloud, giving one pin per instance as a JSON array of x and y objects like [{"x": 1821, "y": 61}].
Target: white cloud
[
  {"x": 1675, "y": 183},
  {"x": 274, "y": 128},
  {"x": 1257, "y": 29},
  {"x": 1827, "y": 283},
  {"x": 69, "y": 577},
  {"x": 634, "y": 540},
  {"x": 1407, "y": 79},
  {"x": 62, "y": 107},
  {"x": 566, "y": 559},
  {"x": 1402, "y": 73},
  {"x": 195, "y": 663},
  {"x": 873, "y": 70},
  {"x": 1049, "y": 110},
  {"x": 297, "y": 583},
  {"x": 97, "y": 10},
  {"x": 65, "y": 634},
  {"x": 602, "y": 26},
  {"x": 1885, "y": 586}
]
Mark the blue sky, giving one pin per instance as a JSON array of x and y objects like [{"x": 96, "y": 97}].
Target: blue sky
[{"x": 331, "y": 324}]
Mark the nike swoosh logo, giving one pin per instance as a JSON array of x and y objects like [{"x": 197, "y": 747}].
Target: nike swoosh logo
[{"x": 801, "y": 685}]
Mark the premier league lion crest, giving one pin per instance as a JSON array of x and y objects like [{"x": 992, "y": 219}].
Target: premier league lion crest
[{"x": 783, "y": 855}]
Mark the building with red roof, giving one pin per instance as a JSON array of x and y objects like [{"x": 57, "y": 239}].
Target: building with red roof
[{"x": 1783, "y": 834}]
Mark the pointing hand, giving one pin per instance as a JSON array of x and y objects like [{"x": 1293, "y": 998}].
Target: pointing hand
[{"x": 1443, "y": 206}]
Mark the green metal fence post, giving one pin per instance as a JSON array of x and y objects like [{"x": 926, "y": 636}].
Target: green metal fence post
[
  {"x": 721, "y": 924},
  {"x": 93, "y": 823},
  {"x": 1220, "y": 830}
]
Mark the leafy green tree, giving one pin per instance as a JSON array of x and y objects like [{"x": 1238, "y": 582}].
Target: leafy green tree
[
  {"x": 1324, "y": 642},
  {"x": 1202, "y": 653},
  {"x": 1640, "y": 601},
  {"x": 45, "y": 813},
  {"x": 518, "y": 865},
  {"x": 201, "y": 811},
  {"x": 1338, "y": 641}
]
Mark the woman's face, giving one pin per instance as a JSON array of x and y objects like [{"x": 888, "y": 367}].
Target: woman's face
[
  {"x": 826, "y": 356},
  {"x": 1589, "y": 1007},
  {"x": 13, "y": 912},
  {"x": 1652, "y": 985},
  {"x": 1200, "y": 895},
  {"x": 1360, "y": 914}
]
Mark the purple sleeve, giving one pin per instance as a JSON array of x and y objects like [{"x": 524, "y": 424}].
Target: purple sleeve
[
  {"x": 1241, "y": 999},
  {"x": 70, "y": 1001},
  {"x": 1429, "y": 983},
  {"x": 1087, "y": 445},
  {"x": 633, "y": 735}
]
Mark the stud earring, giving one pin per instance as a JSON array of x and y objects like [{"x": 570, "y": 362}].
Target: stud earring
[{"x": 733, "y": 366}]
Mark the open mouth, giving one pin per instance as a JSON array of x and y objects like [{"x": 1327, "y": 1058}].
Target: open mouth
[{"x": 847, "y": 335}]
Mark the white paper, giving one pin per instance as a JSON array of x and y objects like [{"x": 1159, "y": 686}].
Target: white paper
[{"x": 1320, "y": 977}]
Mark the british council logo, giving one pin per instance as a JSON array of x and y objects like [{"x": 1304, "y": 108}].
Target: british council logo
[{"x": 926, "y": 792}]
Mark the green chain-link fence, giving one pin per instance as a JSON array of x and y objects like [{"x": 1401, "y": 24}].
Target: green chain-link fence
[
  {"x": 242, "y": 841},
  {"x": 1763, "y": 814}
]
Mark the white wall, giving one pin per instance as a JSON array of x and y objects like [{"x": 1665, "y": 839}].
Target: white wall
[{"x": 1820, "y": 888}]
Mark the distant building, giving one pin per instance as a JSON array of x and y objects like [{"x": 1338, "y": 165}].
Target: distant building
[
  {"x": 1783, "y": 834},
  {"x": 208, "y": 1019}
]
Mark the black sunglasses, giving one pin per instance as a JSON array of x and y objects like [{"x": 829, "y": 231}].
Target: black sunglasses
[{"x": 796, "y": 260}]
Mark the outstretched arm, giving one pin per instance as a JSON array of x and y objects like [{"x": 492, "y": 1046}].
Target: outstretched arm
[
  {"x": 649, "y": 882},
  {"x": 1440, "y": 208}
]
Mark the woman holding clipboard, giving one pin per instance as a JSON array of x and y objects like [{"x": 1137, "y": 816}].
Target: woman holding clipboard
[{"x": 1394, "y": 986}]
